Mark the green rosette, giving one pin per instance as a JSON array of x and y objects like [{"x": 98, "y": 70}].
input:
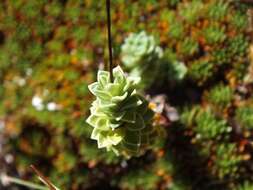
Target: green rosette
[
  {"x": 141, "y": 57},
  {"x": 120, "y": 117}
]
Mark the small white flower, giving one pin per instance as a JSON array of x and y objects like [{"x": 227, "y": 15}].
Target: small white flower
[
  {"x": 29, "y": 72},
  {"x": 52, "y": 106},
  {"x": 37, "y": 102},
  {"x": 229, "y": 129},
  {"x": 9, "y": 158},
  {"x": 4, "y": 179},
  {"x": 198, "y": 136},
  {"x": 21, "y": 82},
  {"x": 123, "y": 164}
]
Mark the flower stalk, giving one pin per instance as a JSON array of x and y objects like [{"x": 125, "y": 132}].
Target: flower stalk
[{"x": 110, "y": 65}]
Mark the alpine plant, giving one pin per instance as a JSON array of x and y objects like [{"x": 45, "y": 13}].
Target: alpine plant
[
  {"x": 141, "y": 56},
  {"x": 121, "y": 118}
]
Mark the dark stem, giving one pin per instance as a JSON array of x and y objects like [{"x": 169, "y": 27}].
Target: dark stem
[{"x": 108, "y": 10}]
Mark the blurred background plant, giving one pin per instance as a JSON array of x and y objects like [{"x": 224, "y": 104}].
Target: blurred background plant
[{"x": 50, "y": 52}]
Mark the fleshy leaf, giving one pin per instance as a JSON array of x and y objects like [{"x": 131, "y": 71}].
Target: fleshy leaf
[{"x": 120, "y": 117}]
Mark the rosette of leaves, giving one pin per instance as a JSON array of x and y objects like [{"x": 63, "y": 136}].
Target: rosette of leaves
[
  {"x": 217, "y": 9},
  {"x": 205, "y": 124},
  {"x": 220, "y": 96},
  {"x": 244, "y": 116},
  {"x": 227, "y": 161},
  {"x": 141, "y": 55},
  {"x": 201, "y": 71},
  {"x": 209, "y": 127},
  {"x": 121, "y": 117}
]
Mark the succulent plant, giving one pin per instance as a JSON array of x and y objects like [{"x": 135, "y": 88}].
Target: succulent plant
[
  {"x": 177, "y": 71},
  {"x": 139, "y": 46},
  {"x": 201, "y": 71},
  {"x": 227, "y": 160},
  {"x": 121, "y": 117},
  {"x": 220, "y": 96},
  {"x": 176, "y": 29},
  {"x": 240, "y": 21},
  {"x": 188, "y": 47},
  {"x": 214, "y": 34},
  {"x": 208, "y": 127},
  {"x": 140, "y": 55},
  {"x": 191, "y": 11},
  {"x": 197, "y": 31},
  {"x": 205, "y": 124},
  {"x": 244, "y": 117},
  {"x": 217, "y": 9}
]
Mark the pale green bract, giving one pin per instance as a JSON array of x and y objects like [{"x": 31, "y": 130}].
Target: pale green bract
[
  {"x": 120, "y": 117},
  {"x": 141, "y": 56}
]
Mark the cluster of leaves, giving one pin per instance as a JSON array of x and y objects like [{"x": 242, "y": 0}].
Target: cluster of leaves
[
  {"x": 208, "y": 36},
  {"x": 142, "y": 57},
  {"x": 220, "y": 129},
  {"x": 121, "y": 118},
  {"x": 49, "y": 51}
]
